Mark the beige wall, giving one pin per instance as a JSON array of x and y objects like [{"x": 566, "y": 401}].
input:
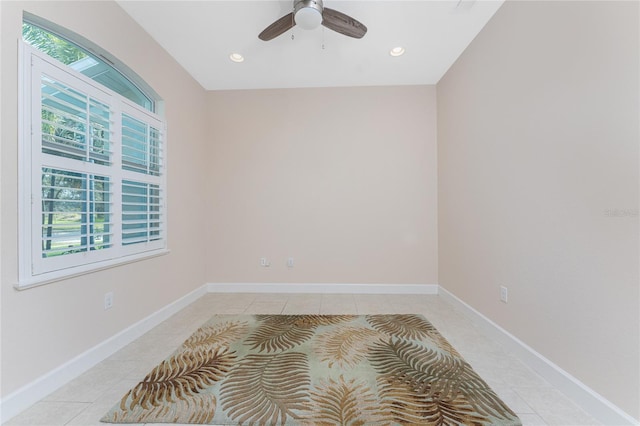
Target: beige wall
[
  {"x": 342, "y": 179},
  {"x": 46, "y": 326},
  {"x": 537, "y": 139}
]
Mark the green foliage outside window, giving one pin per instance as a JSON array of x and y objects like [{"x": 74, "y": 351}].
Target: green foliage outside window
[{"x": 52, "y": 45}]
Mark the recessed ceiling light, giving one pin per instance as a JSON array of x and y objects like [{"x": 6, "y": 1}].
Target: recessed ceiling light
[
  {"x": 397, "y": 51},
  {"x": 236, "y": 57}
]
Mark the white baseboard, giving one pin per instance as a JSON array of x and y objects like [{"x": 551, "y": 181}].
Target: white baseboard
[
  {"x": 31, "y": 393},
  {"x": 589, "y": 400},
  {"x": 322, "y": 288}
]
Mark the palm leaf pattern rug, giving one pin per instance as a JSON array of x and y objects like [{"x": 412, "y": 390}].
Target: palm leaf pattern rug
[{"x": 314, "y": 370}]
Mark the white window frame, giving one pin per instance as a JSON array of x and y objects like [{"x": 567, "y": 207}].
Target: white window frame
[{"x": 34, "y": 269}]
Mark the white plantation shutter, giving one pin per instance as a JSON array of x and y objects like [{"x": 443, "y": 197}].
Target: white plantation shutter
[
  {"x": 63, "y": 230},
  {"x": 141, "y": 218},
  {"x": 93, "y": 181},
  {"x": 141, "y": 146},
  {"x": 74, "y": 125}
]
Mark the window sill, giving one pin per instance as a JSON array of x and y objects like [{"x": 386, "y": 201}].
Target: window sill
[{"x": 36, "y": 281}]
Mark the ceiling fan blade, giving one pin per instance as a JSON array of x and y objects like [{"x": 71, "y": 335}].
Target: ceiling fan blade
[
  {"x": 280, "y": 26},
  {"x": 344, "y": 24}
]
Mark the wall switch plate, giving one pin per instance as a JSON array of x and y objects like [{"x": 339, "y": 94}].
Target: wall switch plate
[
  {"x": 290, "y": 262},
  {"x": 108, "y": 300},
  {"x": 264, "y": 262},
  {"x": 504, "y": 294}
]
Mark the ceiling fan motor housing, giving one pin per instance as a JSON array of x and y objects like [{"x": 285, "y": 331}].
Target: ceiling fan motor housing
[{"x": 308, "y": 13}]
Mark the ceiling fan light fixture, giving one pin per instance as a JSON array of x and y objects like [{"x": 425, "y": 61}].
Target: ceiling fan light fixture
[
  {"x": 397, "y": 51},
  {"x": 308, "y": 14}
]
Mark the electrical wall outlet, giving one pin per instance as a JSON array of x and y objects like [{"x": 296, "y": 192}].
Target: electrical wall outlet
[
  {"x": 290, "y": 262},
  {"x": 108, "y": 300},
  {"x": 504, "y": 294},
  {"x": 264, "y": 262}
]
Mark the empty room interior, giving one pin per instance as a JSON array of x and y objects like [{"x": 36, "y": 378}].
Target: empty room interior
[{"x": 496, "y": 193}]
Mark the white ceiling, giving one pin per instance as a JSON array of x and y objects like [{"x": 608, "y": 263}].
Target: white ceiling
[{"x": 201, "y": 35}]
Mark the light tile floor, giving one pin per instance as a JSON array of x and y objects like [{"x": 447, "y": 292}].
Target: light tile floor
[{"x": 86, "y": 399}]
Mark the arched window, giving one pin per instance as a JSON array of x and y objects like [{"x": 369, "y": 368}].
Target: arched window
[
  {"x": 92, "y": 187},
  {"x": 88, "y": 59}
]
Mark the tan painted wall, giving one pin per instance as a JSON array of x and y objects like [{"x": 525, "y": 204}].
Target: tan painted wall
[
  {"x": 341, "y": 179},
  {"x": 537, "y": 146},
  {"x": 46, "y": 326}
]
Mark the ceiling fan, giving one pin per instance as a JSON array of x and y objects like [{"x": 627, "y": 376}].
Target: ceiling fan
[{"x": 309, "y": 14}]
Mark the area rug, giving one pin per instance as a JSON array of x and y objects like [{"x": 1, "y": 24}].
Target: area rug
[{"x": 314, "y": 370}]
